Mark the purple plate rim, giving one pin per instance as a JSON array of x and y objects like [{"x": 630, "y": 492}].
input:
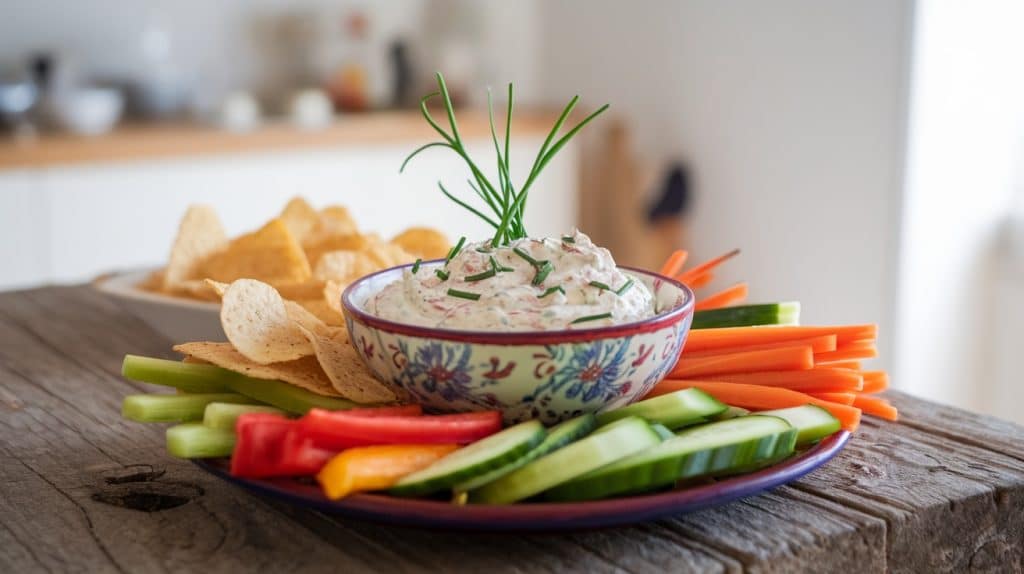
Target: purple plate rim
[{"x": 541, "y": 516}]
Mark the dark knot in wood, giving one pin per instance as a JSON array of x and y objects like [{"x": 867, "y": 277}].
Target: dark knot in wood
[{"x": 139, "y": 487}]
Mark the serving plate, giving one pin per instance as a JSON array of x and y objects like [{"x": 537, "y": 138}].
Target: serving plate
[
  {"x": 538, "y": 516},
  {"x": 176, "y": 318}
]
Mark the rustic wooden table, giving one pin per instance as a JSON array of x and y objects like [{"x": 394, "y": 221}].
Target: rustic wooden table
[{"x": 83, "y": 490}]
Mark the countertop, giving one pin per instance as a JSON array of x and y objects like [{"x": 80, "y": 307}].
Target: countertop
[
  {"x": 84, "y": 490},
  {"x": 134, "y": 142}
]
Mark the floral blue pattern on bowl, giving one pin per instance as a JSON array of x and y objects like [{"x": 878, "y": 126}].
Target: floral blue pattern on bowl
[{"x": 549, "y": 375}]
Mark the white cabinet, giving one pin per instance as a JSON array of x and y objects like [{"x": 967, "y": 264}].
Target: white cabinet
[{"x": 69, "y": 224}]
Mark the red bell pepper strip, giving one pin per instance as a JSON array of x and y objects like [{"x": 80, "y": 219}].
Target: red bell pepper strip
[
  {"x": 398, "y": 411},
  {"x": 338, "y": 430},
  {"x": 272, "y": 445}
]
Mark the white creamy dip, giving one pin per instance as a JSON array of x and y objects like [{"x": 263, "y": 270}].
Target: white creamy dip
[{"x": 510, "y": 288}]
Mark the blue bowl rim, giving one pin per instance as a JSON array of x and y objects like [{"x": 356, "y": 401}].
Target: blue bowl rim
[{"x": 657, "y": 322}]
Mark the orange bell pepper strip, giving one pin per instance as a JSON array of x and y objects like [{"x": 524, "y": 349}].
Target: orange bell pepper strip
[{"x": 376, "y": 467}]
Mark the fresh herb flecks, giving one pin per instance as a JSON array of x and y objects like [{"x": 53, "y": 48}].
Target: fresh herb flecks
[
  {"x": 624, "y": 288},
  {"x": 503, "y": 200},
  {"x": 416, "y": 266},
  {"x": 442, "y": 274},
  {"x": 550, "y": 290},
  {"x": 543, "y": 270},
  {"x": 588, "y": 318},
  {"x": 482, "y": 275},
  {"x": 455, "y": 250},
  {"x": 464, "y": 294},
  {"x": 599, "y": 285}
]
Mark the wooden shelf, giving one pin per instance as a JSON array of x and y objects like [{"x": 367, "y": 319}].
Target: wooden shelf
[{"x": 160, "y": 141}]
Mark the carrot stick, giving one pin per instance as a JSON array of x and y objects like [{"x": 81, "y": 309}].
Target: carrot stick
[
  {"x": 700, "y": 280},
  {"x": 703, "y": 339},
  {"x": 783, "y": 359},
  {"x": 693, "y": 272},
  {"x": 841, "y": 398},
  {"x": 818, "y": 379},
  {"x": 875, "y": 381},
  {"x": 735, "y": 294},
  {"x": 674, "y": 264},
  {"x": 852, "y": 365},
  {"x": 854, "y": 350},
  {"x": 876, "y": 406},
  {"x": 818, "y": 344},
  {"x": 759, "y": 398}
]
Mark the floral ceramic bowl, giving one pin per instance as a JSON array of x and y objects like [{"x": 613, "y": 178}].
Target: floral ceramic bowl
[{"x": 549, "y": 375}]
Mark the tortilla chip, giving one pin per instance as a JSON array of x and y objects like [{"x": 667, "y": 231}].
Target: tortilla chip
[
  {"x": 300, "y": 217},
  {"x": 309, "y": 289},
  {"x": 154, "y": 281},
  {"x": 194, "y": 289},
  {"x": 345, "y": 266},
  {"x": 329, "y": 315},
  {"x": 305, "y": 373},
  {"x": 200, "y": 235},
  {"x": 423, "y": 242},
  {"x": 388, "y": 255},
  {"x": 270, "y": 254},
  {"x": 257, "y": 322},
  {"x": 332, "y": 295},
  {"x": 350, "y": 242},
  {"x": 346, "y": 370},
  {"x": 332, "y": 221}
]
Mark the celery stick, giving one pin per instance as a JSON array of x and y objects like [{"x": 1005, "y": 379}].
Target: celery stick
[
  {"x": 224, "y": 415},
  {"x": 174, "y": 408},
  {"x": 188, "y": 377},
  {"x": 196, "y": 440},
  {"x": 281, "y": 395},
  {"x": 288, "y": 397}
]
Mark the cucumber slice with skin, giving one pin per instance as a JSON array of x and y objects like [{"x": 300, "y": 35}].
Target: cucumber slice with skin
[
  {"x": 186, "y": 376},
  {"x": 748, "y": 316},
  {"x": 812, "y": 422},
  {"x": 707, "y": 450},
  {"x": 673, "y": 410},
  {"x": 629, "y": 436},
  {"x": 196, "y": 440},
  {"x": 558, "y": 436},
  {"x": 224, "y": 415},
  {"x": 174, "y": 408},
  {"x": 731, "y": 413},
  {"x": 479, "y": 457}
]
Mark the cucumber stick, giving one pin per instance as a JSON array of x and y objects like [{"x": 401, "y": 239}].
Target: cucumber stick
[
  {"x": 706, "y": 450},
  {"x": 174, "y": 408},
  {"x": 812, "y": 422},
  {"x": 478, "y": 458},
  {"x": 224, "y": 415},
  {"x": 731, "y": 413},
  {"x": 559, "y": 436},
  {"x": 748, "y": 316},
  {"x": 196, "y": 440},
  {"x": 674, "y": 410},
  {"x": 629, "y": 436},
  {"x": 209, "y": 378}
]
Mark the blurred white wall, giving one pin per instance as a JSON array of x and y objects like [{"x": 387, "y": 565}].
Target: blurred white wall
[{"x": 791, "y": 114}]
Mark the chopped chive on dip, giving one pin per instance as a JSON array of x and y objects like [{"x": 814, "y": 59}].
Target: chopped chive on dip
[
  {"x": 416, "y": 266},
  {"x": 498, "y": 268},
  {"x": 568, "y": 239},
  {"x": 624, "y": 288},
  {"x": 455, "y": 250},
  {"x": 442, "y": 274},
  {"x": 525, "y": 256},
  {"x": 550, "y": 290},
  {"x": 481, "y": 276},
  {"x": 589, "y": 318},
  {"x": 543, "y": 270},
  {"x": 599, "y": 285},
  {"x": 464, "y": 294}
]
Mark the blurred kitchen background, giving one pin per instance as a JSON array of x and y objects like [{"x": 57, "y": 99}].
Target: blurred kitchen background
[{"x": 868, "y": 156}]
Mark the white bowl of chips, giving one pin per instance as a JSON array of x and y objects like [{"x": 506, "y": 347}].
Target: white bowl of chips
[{"x": 176, "y": 318}]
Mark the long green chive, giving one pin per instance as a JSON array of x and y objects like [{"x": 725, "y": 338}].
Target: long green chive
[
  {"x": 543, "y": 270},
  {"x": 442, "y": 274},
  {"x": 550, "y": 290},
  {"x": 481, "y": 276},
  {"x": 464, "y": 294},
  {"x": 525, "y": 256},
  {"x": 568, "y": 239},
  {"x": 416, "y": 266},
  {"x": 599, "y": 285},
  {"x": 455, "y": 250},
  {"x": 498, "y": 268},
  {"x": 624, "y": 288},
  {"x": 591, "y": 318}
]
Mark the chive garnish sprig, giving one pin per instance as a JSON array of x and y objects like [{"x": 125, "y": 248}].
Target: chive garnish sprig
[
  {"x": 529, "y": 259},
  {"x": 455, "y": 250},
  {"x": 416, "y": 266},
  {"x": 503, "y": 200},
  {"x": 550, "y": 290},
  {"x": 543, "y": 270},
  {"x": 482, "y": 275}
]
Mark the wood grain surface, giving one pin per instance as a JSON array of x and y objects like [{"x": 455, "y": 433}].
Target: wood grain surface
[{"x": 85, "y": 491}]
